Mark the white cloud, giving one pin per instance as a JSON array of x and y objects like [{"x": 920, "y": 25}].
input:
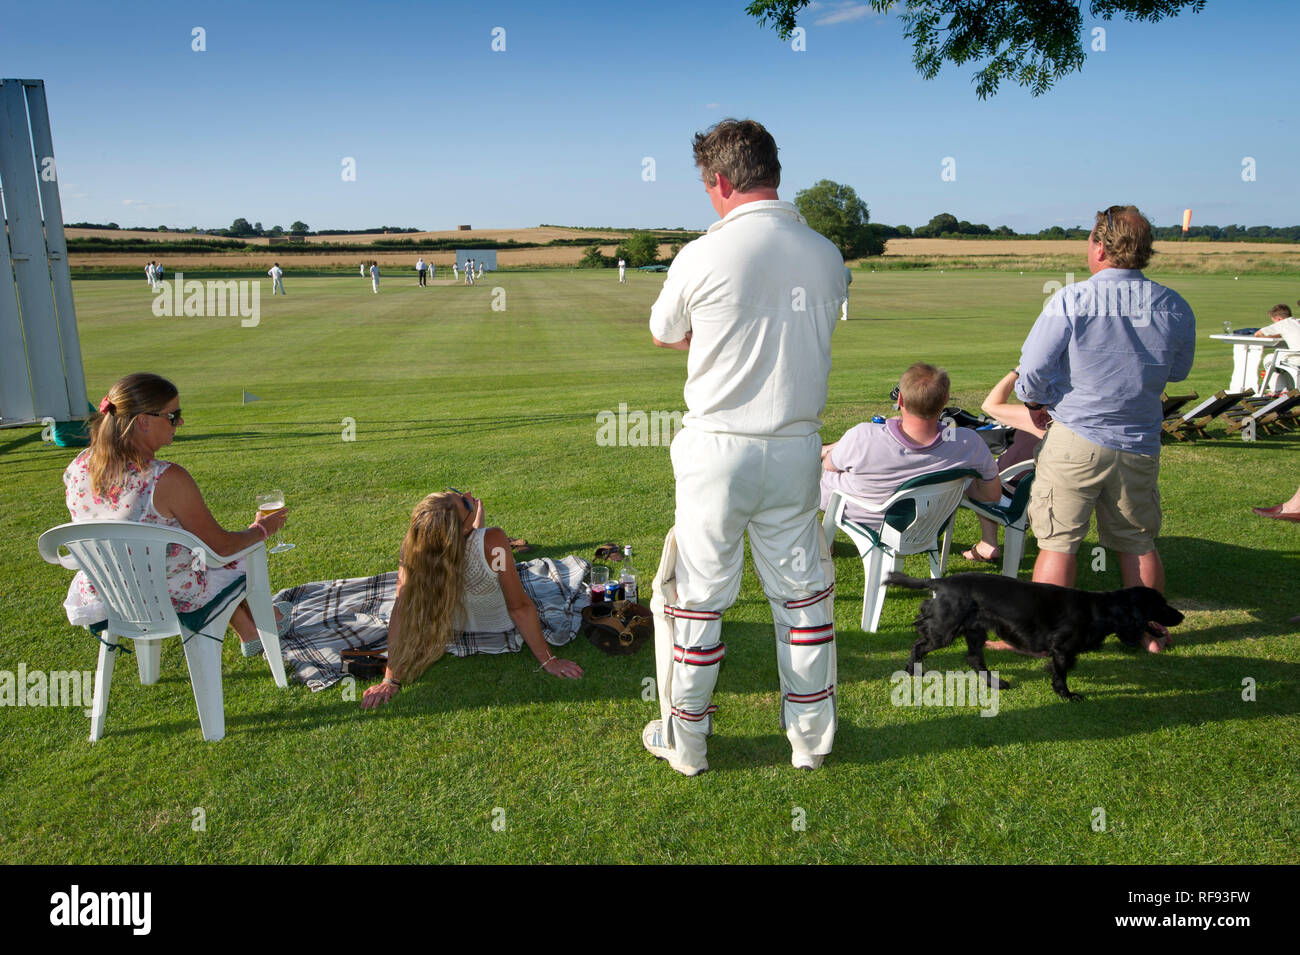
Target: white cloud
[
  {"x": 845, "y": 11},
  {"x": 712, "y": 105}
]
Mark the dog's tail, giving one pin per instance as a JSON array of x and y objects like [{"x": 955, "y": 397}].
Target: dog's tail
[{"x": 896, "y": 579}]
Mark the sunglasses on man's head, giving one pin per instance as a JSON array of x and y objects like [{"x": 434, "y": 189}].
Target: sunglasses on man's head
[{"x": 171, "y": 416}]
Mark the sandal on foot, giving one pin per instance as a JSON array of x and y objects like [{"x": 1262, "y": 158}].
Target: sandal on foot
[{"x": 974, "y": 556}]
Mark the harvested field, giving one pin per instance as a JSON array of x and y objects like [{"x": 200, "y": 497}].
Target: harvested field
[
  {"x": 970, "y": 247},
  {"x": 534, "y": 234},
  {"x": 294, "y": 257},
  {"x": 1004, "y": 254}
]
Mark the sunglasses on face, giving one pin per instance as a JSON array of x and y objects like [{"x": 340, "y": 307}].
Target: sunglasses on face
[
  {"x": 464, "y": 499},
  {"x": 172, "y": 416}
]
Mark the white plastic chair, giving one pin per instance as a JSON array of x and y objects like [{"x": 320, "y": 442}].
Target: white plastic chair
[
  {"x": 127, "y": 564},
  {"x": 1283, "y": 371},
  {"x": 917, "y": 519},
  {"x": 1012, "y": 513}
]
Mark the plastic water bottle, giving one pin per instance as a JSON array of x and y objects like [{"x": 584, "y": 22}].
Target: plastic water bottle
[{"x": 628, "y": 577}]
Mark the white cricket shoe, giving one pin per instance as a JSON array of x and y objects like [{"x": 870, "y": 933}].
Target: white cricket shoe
[
  {"x": 806, "y": 761},
  {"x": 652, "y": 738}
]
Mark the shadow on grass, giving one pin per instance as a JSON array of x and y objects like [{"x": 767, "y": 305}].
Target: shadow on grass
[
  {"x": 1233, "y": 445},
  {"x": 1107, "y": 714},
  {"x": 447, "y": 427},
  {"x": 1128, "y": 692},
  {"x": 1131, "y": 695},
  {"x": 33, "y": 437}
]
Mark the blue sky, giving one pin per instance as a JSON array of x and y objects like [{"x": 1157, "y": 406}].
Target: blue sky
[{"x": 555, "y": 128}]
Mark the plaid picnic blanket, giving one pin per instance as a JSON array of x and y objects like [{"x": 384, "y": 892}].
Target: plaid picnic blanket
[{"x": 330, "y": 616}]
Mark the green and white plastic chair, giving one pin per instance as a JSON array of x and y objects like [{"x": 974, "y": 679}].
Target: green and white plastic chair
[
  {"x": 1012, "y": 513},
  {"x": 917, "y": 519}
]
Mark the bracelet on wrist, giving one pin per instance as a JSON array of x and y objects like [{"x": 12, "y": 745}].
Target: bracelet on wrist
[
  {"x": 389, "y": 681},
  {"x": 544, "y": 662},
  {"x": 257, "y": 526}
]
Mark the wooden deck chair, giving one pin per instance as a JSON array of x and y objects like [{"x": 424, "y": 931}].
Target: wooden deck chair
[
  {"x": 1264, "y": 411},
  {"x": 1193, "y": 423},
  {"x": 1288, "y": 418},
  {"x": 1283, "y": 415},
  {"x": 1170, "y": 404}
]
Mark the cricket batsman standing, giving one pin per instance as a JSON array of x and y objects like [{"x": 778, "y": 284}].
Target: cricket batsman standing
[{"x": 753, "y": 302}]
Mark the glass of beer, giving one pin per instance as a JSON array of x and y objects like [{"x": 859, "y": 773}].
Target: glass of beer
[{"x": 268, "y": 502}]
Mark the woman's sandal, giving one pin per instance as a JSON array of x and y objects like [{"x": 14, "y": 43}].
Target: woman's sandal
[
  {"x": 973, "y": 556},
  {"x": 609, "y": 551},
  {"x": 519, "y": 545}
]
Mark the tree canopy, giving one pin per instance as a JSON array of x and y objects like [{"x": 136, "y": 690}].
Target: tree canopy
[
  {"x": 1033, "y": 42},
  {"x": 640, "y": 248},
  {"x": 837, "y": 213}
]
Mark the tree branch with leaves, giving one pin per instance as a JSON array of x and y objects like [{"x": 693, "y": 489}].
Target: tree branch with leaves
[{"x": 1031, "y": 42}]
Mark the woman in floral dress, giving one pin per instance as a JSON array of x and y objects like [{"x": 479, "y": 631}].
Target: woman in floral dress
[{"x": 118, "y": 478}]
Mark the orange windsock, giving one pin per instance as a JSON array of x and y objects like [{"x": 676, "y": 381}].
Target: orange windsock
[{"x": 1187, "y": 219}]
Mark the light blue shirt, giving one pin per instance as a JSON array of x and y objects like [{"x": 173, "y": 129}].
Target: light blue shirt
[{"x": 1101, "y": 353}]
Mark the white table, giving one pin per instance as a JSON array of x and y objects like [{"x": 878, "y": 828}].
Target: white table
[{"x": 1247, "y": 353}]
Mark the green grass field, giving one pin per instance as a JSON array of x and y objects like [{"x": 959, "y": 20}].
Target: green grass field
[{"x": 444, "y": 390}]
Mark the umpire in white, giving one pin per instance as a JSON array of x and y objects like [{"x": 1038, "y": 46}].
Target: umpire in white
[{"x": 754, "y": 302}]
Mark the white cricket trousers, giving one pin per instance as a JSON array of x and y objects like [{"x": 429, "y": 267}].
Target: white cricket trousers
[{"x": 727, "y": 485}]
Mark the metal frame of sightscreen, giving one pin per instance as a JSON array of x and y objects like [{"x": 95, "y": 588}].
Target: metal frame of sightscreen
[{"x": 40, "y": 355}]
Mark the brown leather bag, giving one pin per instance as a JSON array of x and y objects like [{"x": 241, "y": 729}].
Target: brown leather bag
[{"x": 619, "y": 628}]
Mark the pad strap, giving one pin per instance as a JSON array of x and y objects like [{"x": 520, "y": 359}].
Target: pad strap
[
  {"x": 690, "y": 717},
  {"x": 809, "y": 601},
  {"x": 811, "y": 697},
  {"x": 700, "y": 656},
  {"x": 685, "y": 614},
  {"x": 812, "y": 636}
]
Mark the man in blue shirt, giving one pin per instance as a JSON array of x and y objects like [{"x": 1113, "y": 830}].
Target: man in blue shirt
[{"x": 1099, "y": 356}]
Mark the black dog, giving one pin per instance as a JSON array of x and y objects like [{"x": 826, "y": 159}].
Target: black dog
[{"x": 1035, "y": 618}]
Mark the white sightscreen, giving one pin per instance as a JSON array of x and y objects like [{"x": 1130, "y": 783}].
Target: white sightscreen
[{"x": 40, "y": 355}]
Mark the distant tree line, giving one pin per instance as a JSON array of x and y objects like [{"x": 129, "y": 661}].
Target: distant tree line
[
  {"x": 947, "y": 226},
  {"x": 606, "y": 228}
]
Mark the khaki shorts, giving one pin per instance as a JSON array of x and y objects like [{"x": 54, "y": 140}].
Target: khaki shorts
[{"x": 1074, "y": 477}]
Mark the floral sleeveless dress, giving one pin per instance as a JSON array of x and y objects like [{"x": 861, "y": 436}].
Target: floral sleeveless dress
[{"x": 190, "y": 583}]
